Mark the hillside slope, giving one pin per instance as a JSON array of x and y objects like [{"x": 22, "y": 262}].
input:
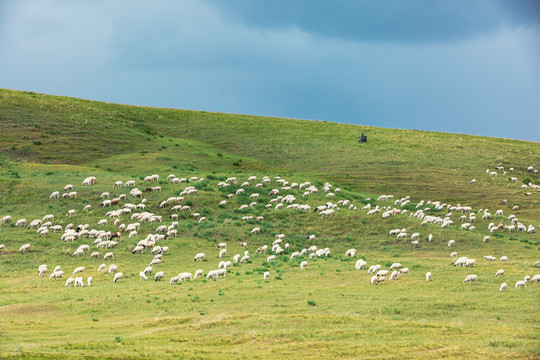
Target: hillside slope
[
  {"x": 44, "y": 128},
  {"x": 326, "y": 308}
]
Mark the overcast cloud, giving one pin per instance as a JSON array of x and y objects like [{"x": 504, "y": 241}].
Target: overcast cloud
[{"x": 456, "y": 66}]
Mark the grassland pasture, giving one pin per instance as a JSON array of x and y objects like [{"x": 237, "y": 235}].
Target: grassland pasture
[{"x": 327, "y": 311}]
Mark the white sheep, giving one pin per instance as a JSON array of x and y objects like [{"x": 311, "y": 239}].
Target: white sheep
[
  {"x": 222, "y": 253},
  {"x": 521, "y": 284},
  {"x": 159, "y": 276},
  {"x": 25, "y": 248},
  {"x": 256, "y": 230},
  {"x": 118, "y": 276},
  {"x": 142, "y": 276},
  {"x": 470, "y": 279},
  {"x": 504, "y": 258},
  {"x": 393, "y": 276},
  {"x": 374, "y": 268},
  {"x": 56, "y": 275},
  {"x": 451, "y": 243},
  {"x": 428, "y": 276},
  {"x": 199, "y": 257},
  {"x": 303, "y": 264},
  {"x": 395, "y": 266},
  {"x": 499, "y": 273},
  {"x": 78, "y": 270},
  {"x": 70, "y": 281},
  {"x": 453, "y": 255},
  {"x": 112, "y": 269},
  {"x": 350, "y": 253},
  {"x": 42, "y": 270},
  {"x": 198, "y": 273},
  {"x": 89, "y": 280},
  {"x": 266, "y": 275},
  {"x": 404, "y": 271},
  {"x": 79, "y": 282},
  {"x": 535, "y": 278},
  {"x": 360, "y": 264},
  {"x": 503, "y": 287},
  {"x": 156, "y": 262}
]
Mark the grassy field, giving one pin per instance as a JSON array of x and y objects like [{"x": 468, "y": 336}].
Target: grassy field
[{"x": 329, "y": 310}]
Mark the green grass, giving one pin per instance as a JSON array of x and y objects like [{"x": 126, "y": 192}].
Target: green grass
[{"x": 327, "y": 311}]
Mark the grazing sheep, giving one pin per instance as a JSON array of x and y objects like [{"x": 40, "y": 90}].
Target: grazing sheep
[
  {"x": 89, "y": 280},
  {"x": 156, "y": 262},
  {"x": 42, "y": 270},
  {"x": 393, "y": 276},
  {"x": 395, "y": 266},
  {"x": 25, "y": 248},
  {"x": 222, "y": 253},
  {"x": 451, "y": 243},
  {"x": 101, "y": 267},
  {"x": 70, "y": 281},
  {"x": 470, "y": 262},
  {"x": 428, "y": 276},
  {"x": 499, "y": 273},
  {"x": 414, "y": 243},
  {"x": 199, "y": 257},
  {"x": 521, "y": 284},
  {"x": 453, "y": 255},
  {"x": 504, "y": 258},
  {"x": 142, "y": 276},
  {"x": 360, "y": 264},
  {"x": 118, "y": 276},
  {"x": 78, "y": 252},
  {"x": 535, "y": 278},
  {"x": 503, "y": 287},
  {"x": 470, "y": 279},
  {"x": 159, "y": 276},
  {"x": 198, "y": 273},
  {"x": 266, "y": 275},
  {"x": 112, "y": 269},
  {"x": 486, "y": 239},
  {"x": 404, "y": 271},
  {"x": 295, "y": 254},
  {"x": 350, "y": 253},
  {"x": 78, "y": 270},
  {"x": 303, "y": 264},
  {"x": 256, "y": 231},
  {"x": 56, "y": 275}
]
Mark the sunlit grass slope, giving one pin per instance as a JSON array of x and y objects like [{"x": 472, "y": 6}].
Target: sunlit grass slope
[{"x": 328, "y": 311}]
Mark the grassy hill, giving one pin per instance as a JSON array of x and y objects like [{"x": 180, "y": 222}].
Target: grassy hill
[{"x": 326, "y": 311}]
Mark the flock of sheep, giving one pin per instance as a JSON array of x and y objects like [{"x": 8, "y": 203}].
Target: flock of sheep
[{"x": 280, "y": 197}]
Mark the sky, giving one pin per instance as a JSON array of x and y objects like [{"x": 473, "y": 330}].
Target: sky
[{"x": 460, "y": 66}]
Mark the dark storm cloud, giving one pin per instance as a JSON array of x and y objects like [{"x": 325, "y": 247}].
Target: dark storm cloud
[{"x": 393, "y": 21}]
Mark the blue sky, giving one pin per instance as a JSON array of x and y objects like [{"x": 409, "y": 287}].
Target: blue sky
[{"x": 456, "y": 66}]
